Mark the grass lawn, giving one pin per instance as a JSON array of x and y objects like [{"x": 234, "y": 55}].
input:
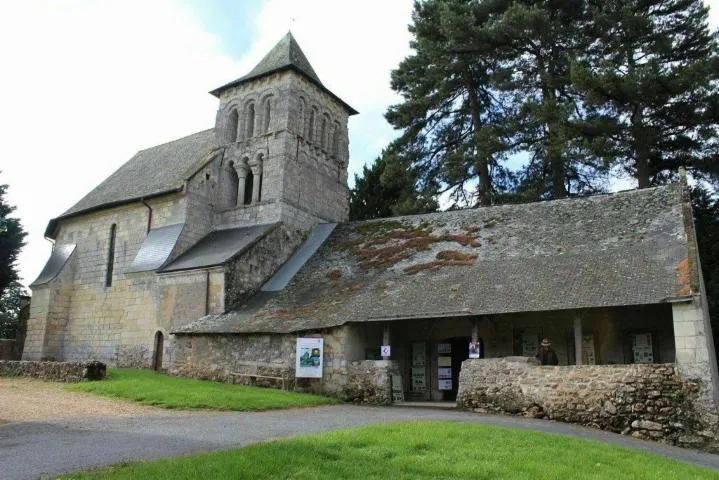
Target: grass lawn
[
  {"x": 151, "y": 388},
  {"x": 416, "y": 450}
]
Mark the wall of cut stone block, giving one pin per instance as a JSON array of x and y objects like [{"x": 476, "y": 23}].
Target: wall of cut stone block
[
  {"x": 648, "y": 401},
  {"x": 76, "y": 317}
]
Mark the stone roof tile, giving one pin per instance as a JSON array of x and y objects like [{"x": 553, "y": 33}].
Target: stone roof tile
[{"x": 603, "y": 251}]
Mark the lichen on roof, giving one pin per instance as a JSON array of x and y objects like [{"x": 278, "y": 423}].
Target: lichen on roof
[{"x": 602, "y": 251}]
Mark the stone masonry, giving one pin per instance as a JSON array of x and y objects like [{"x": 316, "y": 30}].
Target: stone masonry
[{"x": 648, "y": 401}]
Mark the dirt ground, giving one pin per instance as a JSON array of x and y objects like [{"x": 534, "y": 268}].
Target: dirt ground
[{"x": 23, "y": 399}]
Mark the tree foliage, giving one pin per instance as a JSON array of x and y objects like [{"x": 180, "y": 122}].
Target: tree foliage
[
  {"x": 706, "y": 219},
  {"x": 12, "y": 238},
  {"x": 573, "y": 89},
  {"x": 10, "y": 306},
  {"x": 650, "y": 77},
  {"x": 389, "y": 188}
]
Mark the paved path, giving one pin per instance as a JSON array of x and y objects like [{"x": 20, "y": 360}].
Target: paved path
[{"x": 29, "y": 450}]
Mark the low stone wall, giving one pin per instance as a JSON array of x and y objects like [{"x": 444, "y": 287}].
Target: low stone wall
[
  {"x": 7, "y": 349},
  {"x": 645, "y": 400},
  {"x": 57, "y": 371},
  {"x": 369, "y": 382}
]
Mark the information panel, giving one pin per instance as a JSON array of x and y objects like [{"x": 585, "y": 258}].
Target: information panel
[{"x": 308, "y": 362}]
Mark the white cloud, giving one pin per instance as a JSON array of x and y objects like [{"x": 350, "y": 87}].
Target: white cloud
[{"x": 87, "y": 84}]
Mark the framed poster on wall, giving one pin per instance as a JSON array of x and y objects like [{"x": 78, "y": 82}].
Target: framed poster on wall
[{"x": 308, "y": 358}]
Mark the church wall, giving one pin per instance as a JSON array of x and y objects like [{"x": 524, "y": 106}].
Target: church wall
[
  {"x": 188, "y": 295},
  {"x": 115, "y": 324},
  {"x": 215, "y": 357},
  {"x": 245, "y": 274}
]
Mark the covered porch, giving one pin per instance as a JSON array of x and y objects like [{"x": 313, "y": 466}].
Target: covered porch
[{"x": 427, "y": 353}]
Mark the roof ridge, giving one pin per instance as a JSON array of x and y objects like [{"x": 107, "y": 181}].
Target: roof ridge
[
  {"x": 507, "y": 205},
  {"x": 175, "y": 140}
]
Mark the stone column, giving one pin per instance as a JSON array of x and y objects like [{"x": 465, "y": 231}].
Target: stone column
[
  {"x": 256, "y": 181},
  {"x": 693, "y": 342},
  {"x": 241, "y": 171},
  {"x": 578, "y": 339}
]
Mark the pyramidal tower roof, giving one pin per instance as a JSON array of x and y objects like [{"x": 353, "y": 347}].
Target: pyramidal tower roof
[{"x": 286, "y": 55}]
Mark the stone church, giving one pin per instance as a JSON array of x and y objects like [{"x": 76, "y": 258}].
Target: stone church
[{"x": 211, "y": 255}]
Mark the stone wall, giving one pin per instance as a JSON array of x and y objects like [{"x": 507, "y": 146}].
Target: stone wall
[
  {"x": 648, "y": 401},
  {"x": 56, "y": 371},
  {"x": 369, "y": 382},
  {"x": 246, "y": 273},
  {"x": 7, "y": 349},
  {"x": 214, "y": 357}
]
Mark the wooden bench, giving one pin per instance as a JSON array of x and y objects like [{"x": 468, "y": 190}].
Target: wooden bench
[{"x": 253, "y": 378}]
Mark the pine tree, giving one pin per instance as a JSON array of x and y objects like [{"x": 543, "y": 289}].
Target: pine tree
[
  {"x": 451, "y": 119},
  {"x": 651, "y": 80},
  {"x": 11, "y": 242},
  {"x": 389, "y": 188},
  {"x": 706, "y": 219}
]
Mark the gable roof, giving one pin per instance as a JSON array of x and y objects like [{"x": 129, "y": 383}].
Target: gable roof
[
  {"x": 219, "y": 246},
  {"x": 155, "y": 171},
  {"x": 285, "y": 55},
  {"x": 610, "y": 250}
]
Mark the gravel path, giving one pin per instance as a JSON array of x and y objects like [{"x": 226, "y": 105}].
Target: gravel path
[
  {"x": 29, "y": 450},
  {"x": 23, "y": 399}
]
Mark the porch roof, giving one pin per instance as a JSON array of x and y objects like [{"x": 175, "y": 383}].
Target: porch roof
[{"x": 627, "y": 248}]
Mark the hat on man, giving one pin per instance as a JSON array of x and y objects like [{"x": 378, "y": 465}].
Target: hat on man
[{"x": 546, "y": 342}]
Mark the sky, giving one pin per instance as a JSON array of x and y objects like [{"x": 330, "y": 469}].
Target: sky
[{"x": 85, "y": 84}]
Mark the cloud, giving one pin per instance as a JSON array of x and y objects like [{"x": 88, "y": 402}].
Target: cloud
[{"x": 86, "y": 85}]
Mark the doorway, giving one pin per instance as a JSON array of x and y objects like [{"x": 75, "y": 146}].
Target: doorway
[
  {"x": 459, "y": 352},
  {"x": 157, "y": 357}
]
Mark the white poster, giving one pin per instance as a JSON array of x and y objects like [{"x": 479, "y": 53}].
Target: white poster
[
  {"x": 445, "y": 372},
  {"x": 474, "y": 350},
  {"x": 308, "y": 362},
  {"x": 445, "y": 384}
]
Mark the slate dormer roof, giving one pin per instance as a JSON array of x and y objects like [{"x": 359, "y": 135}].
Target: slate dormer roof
[
  {"x": 286, "y": 55},
  {"x": 622, "y": 249},
  {"x": 149, "y": 173}
]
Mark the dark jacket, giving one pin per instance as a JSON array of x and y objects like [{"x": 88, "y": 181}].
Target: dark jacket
[{"x": 547, "y": 357}]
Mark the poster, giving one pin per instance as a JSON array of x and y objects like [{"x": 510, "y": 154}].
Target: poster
[
  {"x": 474, "y": 349},
  {"x": 588, "y": 357},
  {"x": 445, "y": 372},
  {"x": 445, "y": 384},
  {"x": 418, "y": 379},
  {"x": 444, "y": 348},
  {"x": 308, "y": 362},
  {"x": 444, "y": 361},
  {"x": 418, "y": 354}
]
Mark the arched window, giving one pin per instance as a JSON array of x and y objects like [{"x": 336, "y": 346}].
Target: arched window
[
  {"x": 323, "y": 133},
  {"x": 230, "y": 183},
  {"x": 311, "y": 127},
  {"x": 232, "y": 121},
  {"x": 250, "y": 119},
  {"x": 301, "y": 118},
  {"x": 267, "y": 115},
  {"x": 336, "y": 141},
  {"x": 249, "y": 180},
  {"x": 110, "y": 256}
]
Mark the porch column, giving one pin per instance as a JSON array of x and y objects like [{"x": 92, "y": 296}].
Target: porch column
[
  {"x": 694, "y": 345},
  {"x": 578, "y": 339},
  {"x": 385, "y": 337}
]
